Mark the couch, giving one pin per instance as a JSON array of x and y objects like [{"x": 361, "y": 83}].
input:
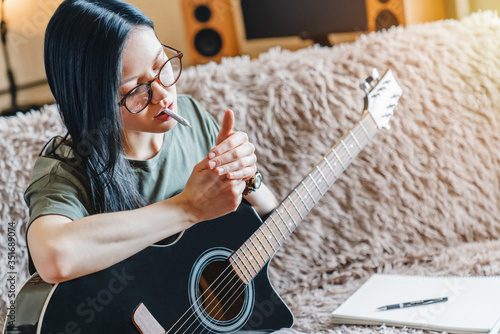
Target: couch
[{"x": 422, "y": 198}]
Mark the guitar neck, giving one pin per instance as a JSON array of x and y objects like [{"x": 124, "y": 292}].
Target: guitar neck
[{"x": 253, "y": 255}]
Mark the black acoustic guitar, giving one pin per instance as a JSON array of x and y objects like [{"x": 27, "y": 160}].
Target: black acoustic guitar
[{"x": 213, "y": 278}]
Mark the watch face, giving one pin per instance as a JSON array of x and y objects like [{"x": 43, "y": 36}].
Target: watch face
[{"x": 258, "y": 180}]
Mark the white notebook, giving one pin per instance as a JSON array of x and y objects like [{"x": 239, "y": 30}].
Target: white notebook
[{"x": 473, "y": 304}]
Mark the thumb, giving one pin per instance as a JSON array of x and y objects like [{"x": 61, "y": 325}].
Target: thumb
[{"x": 227, "y": 127}]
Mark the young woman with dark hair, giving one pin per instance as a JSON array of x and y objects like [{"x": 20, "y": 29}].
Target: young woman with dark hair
[{"x": 126, "y": 175}]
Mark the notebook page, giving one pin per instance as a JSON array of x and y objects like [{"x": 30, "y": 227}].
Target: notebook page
[{"x": 473, "y": 302}]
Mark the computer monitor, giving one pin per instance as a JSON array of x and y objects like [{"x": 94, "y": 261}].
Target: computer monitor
[{"x": 309, "y": 19}]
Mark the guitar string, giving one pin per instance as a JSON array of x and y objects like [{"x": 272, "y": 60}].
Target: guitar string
[
  {"x": 234, "y": 287},
  {"x": 198, "y": 301},
  {"x": 234, "y": 297},
  {"x": 237, "y": 288},
  {"x": 276, "y": 241},
  {"x": 210, "y": 287},
  {"x": 197, "y": 317},
  {"x": 351, "y": 158},
  {"x": 202, "y": 295},
  {"x": 347, "y": 142}
]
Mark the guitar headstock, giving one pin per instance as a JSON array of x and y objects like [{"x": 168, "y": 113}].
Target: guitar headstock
[{"x": 382, "y": 96}]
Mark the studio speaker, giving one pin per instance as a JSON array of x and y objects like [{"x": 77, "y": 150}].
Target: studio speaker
[
  {"x": 210, "y": 30},
  {"x": 382, "y": 14}
]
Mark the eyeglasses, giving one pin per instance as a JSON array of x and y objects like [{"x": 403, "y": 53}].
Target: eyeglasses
[{"x": 139, "y": 98}]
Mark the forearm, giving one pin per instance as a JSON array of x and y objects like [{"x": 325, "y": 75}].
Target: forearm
[{"x": 63, "y": 249}]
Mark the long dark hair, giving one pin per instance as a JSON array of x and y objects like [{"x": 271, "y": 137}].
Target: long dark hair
[{"x": 84, "y": 43}]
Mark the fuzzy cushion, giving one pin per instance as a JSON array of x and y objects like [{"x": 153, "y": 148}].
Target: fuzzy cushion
[{"x": 422, "y": 198}]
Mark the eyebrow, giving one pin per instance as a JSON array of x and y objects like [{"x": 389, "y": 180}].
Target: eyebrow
[{"x": 137, "y": 76}]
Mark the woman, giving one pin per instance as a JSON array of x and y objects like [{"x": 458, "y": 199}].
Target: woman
[{"x": 127, "y": 175}]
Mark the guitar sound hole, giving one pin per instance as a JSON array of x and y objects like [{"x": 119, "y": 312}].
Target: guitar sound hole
[{"x": 221, "y": 292}]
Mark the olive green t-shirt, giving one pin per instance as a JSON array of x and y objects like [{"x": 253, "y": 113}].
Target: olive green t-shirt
[{"x": 59, "y": 185}]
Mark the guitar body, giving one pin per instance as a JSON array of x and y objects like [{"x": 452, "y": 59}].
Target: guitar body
[{"x": 172, "y": 283}]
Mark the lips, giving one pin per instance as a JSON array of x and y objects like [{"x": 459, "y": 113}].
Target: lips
[{"x": 162, "y": 116}]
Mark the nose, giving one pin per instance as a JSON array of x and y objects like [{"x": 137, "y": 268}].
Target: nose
[{"x": 159, "y": 92}]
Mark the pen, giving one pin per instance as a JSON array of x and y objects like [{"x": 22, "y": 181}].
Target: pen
[
  {"x": 411, "y": 304},
  {"x": 178, "y": 118}
]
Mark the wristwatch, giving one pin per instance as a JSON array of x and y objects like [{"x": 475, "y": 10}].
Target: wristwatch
[{"x": 253, "y": 183}]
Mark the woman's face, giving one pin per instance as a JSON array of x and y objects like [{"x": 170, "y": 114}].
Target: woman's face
[{"x": 142, "y": 58}]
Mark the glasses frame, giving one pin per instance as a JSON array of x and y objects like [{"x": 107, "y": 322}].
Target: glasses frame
[{"x": 179, "y": 55}]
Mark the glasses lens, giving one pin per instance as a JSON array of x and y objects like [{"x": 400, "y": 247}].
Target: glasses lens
[
  {"x": 138, "y": 98},
  {"x": 170, "y": 72}
]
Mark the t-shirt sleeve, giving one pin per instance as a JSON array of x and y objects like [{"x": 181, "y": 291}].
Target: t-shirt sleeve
[{"x": 56, "y": 188}]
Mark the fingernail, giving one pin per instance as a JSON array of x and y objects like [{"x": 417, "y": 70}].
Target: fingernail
[
  {"x": 211, "y": 164},
  {"x": 230, "y": 175},
  {"x": 220, "y": 170},
  {"x": 211, "y": 155}
]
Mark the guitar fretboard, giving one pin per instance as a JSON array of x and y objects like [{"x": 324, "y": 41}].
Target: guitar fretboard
[{"x": 251, "y": 257}]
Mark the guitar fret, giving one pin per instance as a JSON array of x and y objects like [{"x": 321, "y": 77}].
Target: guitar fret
[
  {"x": 243, "y": 263},
  {"x": 289, "y": 214},
  {"x": 364, "y": 130},
  {"x": 283, "y": 220},
  {"x": 279, "y": 230},
  {"x": 347, "y": 149},
  {"x": 241, "y": 274},
  {"x": 267, "y": 239},
  {"x": 261, "y": 246},
  {"x": 302, "y": 200},
  {"x": 258, "y": 251},
  {"x": 338, "y": 158},
  {"x": 296, "y": 209},
  {"x": 331, "y": 168},
  {"x": 356, "y": 140},
  {"x": 251, "y": 258},
  {"x": 265, "y": 249},
  {"x": 307, "y": 189},
  {"x": 323, "y": 176},
  {"x": 274, "y": 236},
  {"x": 315, "y": 184}
]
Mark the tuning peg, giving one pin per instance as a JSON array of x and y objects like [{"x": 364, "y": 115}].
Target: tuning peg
[
  {"x": 375, "y": 74},
  {"x": 365, "y": 86}
]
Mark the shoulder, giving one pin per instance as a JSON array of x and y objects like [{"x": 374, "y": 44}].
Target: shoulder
[
  {"x": 188, "y": 101},
  {"x": 58, "y": 161},
  {"x": 190, "y": 106},
  {"x": 58, "y": 184}
]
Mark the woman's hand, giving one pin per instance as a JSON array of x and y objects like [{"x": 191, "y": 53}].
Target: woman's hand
[
  {"x": 233, "y": 155},
  {"x": 216, "y": 184}
]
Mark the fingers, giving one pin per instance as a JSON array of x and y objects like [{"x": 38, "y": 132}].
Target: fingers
[
  {"x": 236, "y": 159},
  {"x": 233, "y": 155},
  {"x": 226, "y": 129},
  {"x": 233, "y": 141},
  {"x": 242, "y": 169},
  {"x": 242, "y": 174}
]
